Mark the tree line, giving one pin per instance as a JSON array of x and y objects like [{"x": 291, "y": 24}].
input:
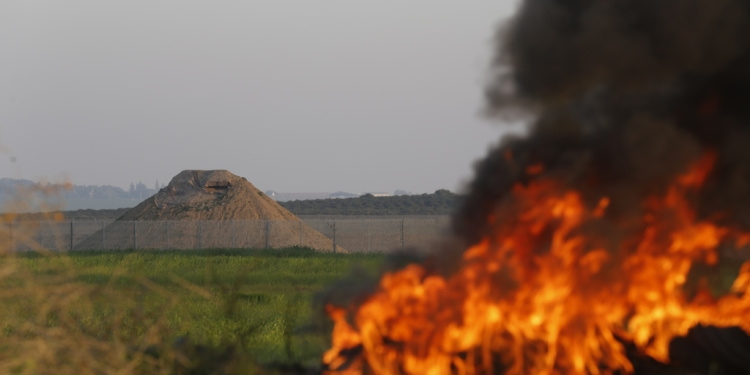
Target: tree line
[{"x": 441, "y": 202}]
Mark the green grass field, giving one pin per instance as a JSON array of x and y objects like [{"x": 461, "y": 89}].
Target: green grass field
[{"x": 255, "y": 304}]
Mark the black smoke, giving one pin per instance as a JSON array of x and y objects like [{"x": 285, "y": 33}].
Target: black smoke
[{"x": 620, "y": 96}]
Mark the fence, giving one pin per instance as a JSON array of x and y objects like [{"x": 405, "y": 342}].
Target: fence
[{"x": 353, "y": 235}]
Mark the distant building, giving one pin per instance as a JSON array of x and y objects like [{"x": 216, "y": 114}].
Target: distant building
[
  {"x": 342, "y": 194},
  {"x": 381, "y": 194},
  {"x": 402, "y": 192},
  {"x": 283, "y": 197}
]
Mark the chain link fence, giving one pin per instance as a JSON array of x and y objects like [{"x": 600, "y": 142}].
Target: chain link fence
[{"x": 357, "y": 234}]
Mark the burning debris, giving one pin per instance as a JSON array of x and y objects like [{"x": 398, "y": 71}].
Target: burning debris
[{"x": 612, "y": 237}]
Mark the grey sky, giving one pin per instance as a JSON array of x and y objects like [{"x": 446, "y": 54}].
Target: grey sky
[{"x": 293, "y": 95}]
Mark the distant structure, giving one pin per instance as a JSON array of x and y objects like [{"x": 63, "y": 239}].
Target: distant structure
[
  {"x": 343, "y": 194},
  {"x": 285, "y": 197},
  {"x": 380, "y": 194},
  {"x": 399, "y": 192}
]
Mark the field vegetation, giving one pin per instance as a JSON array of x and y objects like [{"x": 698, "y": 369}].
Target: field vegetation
[{"x": 185, "y": 312}]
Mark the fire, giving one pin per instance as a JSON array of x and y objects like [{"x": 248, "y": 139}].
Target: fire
[{"x": 549, "y": 292}]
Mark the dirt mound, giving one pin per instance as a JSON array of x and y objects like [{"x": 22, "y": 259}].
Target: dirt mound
[{"x": 213, "y": 208}]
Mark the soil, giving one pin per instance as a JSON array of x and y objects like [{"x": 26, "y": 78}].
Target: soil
[{"x": 219, "y": 196}]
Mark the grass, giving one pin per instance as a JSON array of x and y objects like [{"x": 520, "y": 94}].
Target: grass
[{"x": 201, "y": 311}]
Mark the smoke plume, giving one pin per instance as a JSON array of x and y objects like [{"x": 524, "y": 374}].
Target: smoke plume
[{"x": 621, "y": 96}]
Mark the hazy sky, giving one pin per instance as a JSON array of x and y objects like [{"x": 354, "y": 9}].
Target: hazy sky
[{"x": 314, "y": 95}]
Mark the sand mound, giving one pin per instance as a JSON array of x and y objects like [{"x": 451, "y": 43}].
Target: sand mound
[{"x": 207, "y": 209}]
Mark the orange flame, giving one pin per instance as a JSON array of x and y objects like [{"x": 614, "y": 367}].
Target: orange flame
[{"x": 546, "y": 293}]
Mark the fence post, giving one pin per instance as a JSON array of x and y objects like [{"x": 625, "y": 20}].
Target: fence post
[
  {"x": 300, "y": 233},
  {"x": 233, "y": 224},
  {"x": 402, "y": 232},
  {"x": 199, "y": 234},
  {"x": 268, "y": 230},
  {"x": 135, "y": 236},
  {"x": 167, "y": 234},
  {"x": 103, "y": 236},
  {"x": 71, "y": 235},
  {"x": 334, "y": 236}
]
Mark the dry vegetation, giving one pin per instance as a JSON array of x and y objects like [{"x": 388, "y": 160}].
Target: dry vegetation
[{"x": 162, "y": 312}]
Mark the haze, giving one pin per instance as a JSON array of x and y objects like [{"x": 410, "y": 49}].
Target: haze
[{"x": 293, "y": 95}]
